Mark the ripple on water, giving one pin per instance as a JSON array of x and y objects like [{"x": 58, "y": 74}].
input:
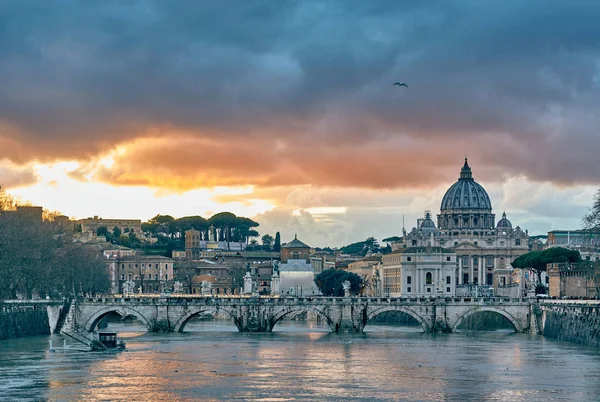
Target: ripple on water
[{"x": 304, "y": 362}]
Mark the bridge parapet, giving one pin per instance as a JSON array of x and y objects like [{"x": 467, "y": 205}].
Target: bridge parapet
[{"x": 260, "y": 314}]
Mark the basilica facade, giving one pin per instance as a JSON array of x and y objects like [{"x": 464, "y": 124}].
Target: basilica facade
[{"x": 466, "y": 227}]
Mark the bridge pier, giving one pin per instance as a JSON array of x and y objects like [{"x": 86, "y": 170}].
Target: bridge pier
[
  {"x": 254, "y": 319},
  {"x": 349, "y": 318}
]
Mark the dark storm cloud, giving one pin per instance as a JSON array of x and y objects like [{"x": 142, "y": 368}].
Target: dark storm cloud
[{"x": 514, "y": 84}]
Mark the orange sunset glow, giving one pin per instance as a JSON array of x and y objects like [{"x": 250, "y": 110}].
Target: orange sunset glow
[{"x": 294, "y": 124}]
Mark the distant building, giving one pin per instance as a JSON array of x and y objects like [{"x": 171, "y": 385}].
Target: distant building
[
  {"x": 578, "y": 280},
  {"x": 152, "y": 273},
  {"x": 419, "y": 271},
  {"x": 116, "y": 251},
  {"x": 366, "y": 268},
  {"x": 178, "y": 254},
  {"x": 124, "y": 225},
  {"x": 322, "y": 261},
  {"x": 466, "y": 226},
  {"x": 297, "y": 275},
  {"x": 574, "y": 238},
  {"x": 295, "y": 250},
  {"x": 196, "y": 243},
  {"x": 25, "y": 213}
]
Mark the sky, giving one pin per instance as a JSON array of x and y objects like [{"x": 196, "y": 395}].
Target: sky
[{"x": 285, "y": 110}]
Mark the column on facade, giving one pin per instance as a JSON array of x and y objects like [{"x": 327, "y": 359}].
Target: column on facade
[
  {"x": 417, "y": 279},
  {"x": 471, "y": 277},
  {"x": 460, "y": 270},
  {"x": 482, "y": 269},
  {"x": 481, "y": 275}
]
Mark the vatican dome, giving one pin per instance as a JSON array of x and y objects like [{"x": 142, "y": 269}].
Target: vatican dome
[
  {"x": 466, "y": 204},
  {"x": 504, "y": 223},
  {"x": 466, "y": 193}
]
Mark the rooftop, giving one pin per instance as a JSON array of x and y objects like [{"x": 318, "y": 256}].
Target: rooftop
[{"x": 295, "y": 244}]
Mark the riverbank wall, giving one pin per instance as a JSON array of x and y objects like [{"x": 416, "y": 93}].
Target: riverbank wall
[
  {"x": 572, "y": 321},
  {"x": 21, "y": 318}
]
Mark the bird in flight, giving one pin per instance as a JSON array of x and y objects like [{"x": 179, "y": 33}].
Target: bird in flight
[{"x": 400, "y": 84}]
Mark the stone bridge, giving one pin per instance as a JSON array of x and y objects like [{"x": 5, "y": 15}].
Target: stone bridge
[{"x": 261, "y": 314}]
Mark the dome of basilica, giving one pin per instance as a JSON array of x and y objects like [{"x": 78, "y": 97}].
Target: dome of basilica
[
  {"x": 466, "y": 194},
  {"x": 427, "y": 224},
  {"x": 504, "y": 223}
]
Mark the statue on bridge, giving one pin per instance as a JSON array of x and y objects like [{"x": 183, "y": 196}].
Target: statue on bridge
[
  {"x": 346, "y": 285},
  {"x": 128, "y": 288},
  {"x": 206, "y": 288}
]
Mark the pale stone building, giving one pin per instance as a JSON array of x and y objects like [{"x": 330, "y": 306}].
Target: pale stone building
[
  {"x": 124, "y": 225},
  {"x": 419, "y": 271},
  {"x": 578, "y": 280},
  {"x": 466, "y": 226},
  {"x": 366, "y": 268},
  {"x": 197, "y": 243},
  {"x": 152, "y": 273},
  {"x": 297, "y": 275}
]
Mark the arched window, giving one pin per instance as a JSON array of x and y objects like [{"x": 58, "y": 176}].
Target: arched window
[{"x": 428, "y": 278}]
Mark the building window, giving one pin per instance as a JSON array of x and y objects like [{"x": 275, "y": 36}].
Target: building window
[
  {"x": 408, "y": 258},
  {"x": 447, "y": 258},
  {"x": 428, "y": 290},
  {"x": 455, "y": 243},
  {"x": 518, "y": 242},
  {"x": 414, "y": 242},
  {"x": 447, "y": 290},
  {"x": 122, "y": 276},
  {"x": 448, "y": 280},
  {"x": 408, "y": 280},
  {"x": 490, "y": 262},
  {"x": 149, "y": 277},
  {"x": 465, "y": 261},
  {"x": 502, "y": 242},
  {"x": 428, "y": 278},
  {"x": 408, "y": 289},
  {"x": 475, "y": 243}
]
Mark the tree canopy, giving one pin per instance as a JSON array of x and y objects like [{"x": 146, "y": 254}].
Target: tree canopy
[
  {"x": 330, "y": 282},
  {"x": 38, "y": 257},
  {"x": 277, "y": 244},
  {"x": 537, "y": 260},
  {"x": 361, "y": 247},
  {"x": 171, "y": 232}
]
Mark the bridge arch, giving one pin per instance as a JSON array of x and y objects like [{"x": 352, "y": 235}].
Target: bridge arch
[
  {"x": 92, "y": 322},
  {"x": 375, "y": 312},
  {"x": 299, "y": 310},
  {"x": 505, "y": 314},
  {"x": 185, "y": 318}
]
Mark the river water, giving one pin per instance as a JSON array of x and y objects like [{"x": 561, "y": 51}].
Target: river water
[{"x": 303, "y": 361}]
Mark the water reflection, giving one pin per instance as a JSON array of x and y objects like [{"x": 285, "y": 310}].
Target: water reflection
[{"x": 212, "y": 361}]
